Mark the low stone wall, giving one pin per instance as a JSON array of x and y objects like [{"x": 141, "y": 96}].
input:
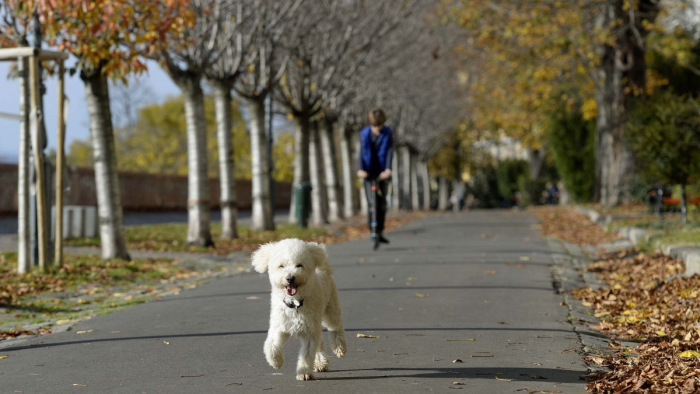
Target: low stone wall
[{"x": 140, "y": 191}]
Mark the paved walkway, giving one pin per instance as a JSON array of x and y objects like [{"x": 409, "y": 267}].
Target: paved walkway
[{"x": 463, "y": 302}]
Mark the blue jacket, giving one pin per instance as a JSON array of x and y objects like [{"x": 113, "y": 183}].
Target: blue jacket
[{"x": 375, "y": 157}]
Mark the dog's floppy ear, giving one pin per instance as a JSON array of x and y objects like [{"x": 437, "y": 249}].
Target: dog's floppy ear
[
  {"x": 261, "y": 257},
  {"x": 318, "y": 251}
]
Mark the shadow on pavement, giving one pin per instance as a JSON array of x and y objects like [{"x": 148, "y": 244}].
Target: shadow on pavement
[
  {"x": 512, "y": 374},
  {"x": 260, "y": 332}
]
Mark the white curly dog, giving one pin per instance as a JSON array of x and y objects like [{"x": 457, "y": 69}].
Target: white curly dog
[{"x": 304, "y": 297}]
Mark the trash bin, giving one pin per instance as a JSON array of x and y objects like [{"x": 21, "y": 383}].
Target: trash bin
[{"x": 302, "y": 203}]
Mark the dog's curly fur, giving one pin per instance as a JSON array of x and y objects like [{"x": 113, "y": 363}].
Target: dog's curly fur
[{"x": 304, "y": 298}]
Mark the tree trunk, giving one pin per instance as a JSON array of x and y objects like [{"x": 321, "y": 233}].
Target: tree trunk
[
  {"x": 425, "y": 180},
  {"x": 198, "y": 204},
  {"x": 684, "y": 204},
  {"x": 395, "y": 182},
  {"x": 405, "y": 184},
  {"x": 535, "y": 162},
  {"x": 109, "y": 201},
  {"x": 443, "y": 193},
  {"x": 346, "y": 158},
  {"x": 621, "y": 76},
  {"x": 301, "y": 160},
  {"x": 330, "y": 169},
  {"x": 262, "y": 218},
  {"x": 318, "y": 198},
  {"x": 23, "y": 260},
  {"x": 227, "y": 181},
  {"x": 415, "y": 199}
]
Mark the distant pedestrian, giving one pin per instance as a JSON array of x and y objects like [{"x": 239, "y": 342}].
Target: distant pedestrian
[{"x": 374, "y": 164}]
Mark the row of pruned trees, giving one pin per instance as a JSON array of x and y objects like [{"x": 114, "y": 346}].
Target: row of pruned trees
[{"x": 324, "y": 63}]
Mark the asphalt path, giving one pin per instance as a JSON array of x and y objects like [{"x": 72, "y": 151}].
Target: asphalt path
[{"x": 454, "y": 302}]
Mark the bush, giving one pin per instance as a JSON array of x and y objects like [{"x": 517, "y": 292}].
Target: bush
[
  {"x": 507, "y": 175},
  {"x": 484, "y": 187},
  {"x": 572, "y": 142}
]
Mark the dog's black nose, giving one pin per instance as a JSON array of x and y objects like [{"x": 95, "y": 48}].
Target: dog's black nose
[{"x": 291, "y": 279}]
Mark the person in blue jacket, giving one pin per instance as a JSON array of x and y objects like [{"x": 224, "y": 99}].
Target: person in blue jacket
[{"x": 374, "y": 163}]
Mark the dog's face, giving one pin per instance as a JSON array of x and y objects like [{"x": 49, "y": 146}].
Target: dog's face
[{"x": 291, "y": 263}]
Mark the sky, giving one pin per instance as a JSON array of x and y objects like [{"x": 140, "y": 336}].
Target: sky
[{"x": 77, "y": 126}]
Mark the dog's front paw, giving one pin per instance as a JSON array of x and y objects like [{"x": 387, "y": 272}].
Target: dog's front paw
[
  {"x": 305, "y": 376},
  {"x": 339, "y": 346},
  {"x": 321, "y": 363},
  {"x": 276, "y": 361},
  {"x": 274, "y": 356}
]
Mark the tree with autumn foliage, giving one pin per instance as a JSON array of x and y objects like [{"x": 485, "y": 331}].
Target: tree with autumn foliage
[
  {"x": 597, "y": 48},
  {"x": 108, "y": 39}
]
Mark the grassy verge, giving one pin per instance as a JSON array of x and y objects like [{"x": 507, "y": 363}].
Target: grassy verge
[
  {"x": 171, "y": 237},
  {"x": 84, "y": 285}
]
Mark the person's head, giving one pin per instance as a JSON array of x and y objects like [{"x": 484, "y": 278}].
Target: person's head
[{"x": 376, "y": 117}]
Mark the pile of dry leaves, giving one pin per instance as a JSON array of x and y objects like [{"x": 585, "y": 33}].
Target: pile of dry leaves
[
  {"x": 572, "y": 226},
  {"x": 646, "y": 301},
  {"x": 649, "y": 303}
]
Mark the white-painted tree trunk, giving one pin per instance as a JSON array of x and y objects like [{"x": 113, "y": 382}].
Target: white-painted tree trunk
[
  {"x": 425, "y": 181},
  {"x": 262, "y": 218},
  {"x": 198, "y": 193},
  {"x": 395, "y": 182},
  {"x": 349, "y": 171},
  {"x": 109, "y": 206},
  {"x": 415, "y": 199},
  {"x": 227, "y": 181},
  {"x": 23, "y": 260},
  {"x": 318, "y": 198},
  {"x": 330, "y": 170},
  {"x": 406, "y": 184},
  {"x": 301, "y": 160},
  {"x": 443, "y": 193}
]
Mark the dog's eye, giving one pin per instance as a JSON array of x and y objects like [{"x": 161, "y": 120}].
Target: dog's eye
[
  {"x": 300, "y": 266},
  {"x": 281, "y": 266}
]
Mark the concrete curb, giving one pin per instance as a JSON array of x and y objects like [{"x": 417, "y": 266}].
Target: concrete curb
[
  {"x": 690, "y": 255},
  {"x": 569, "y": 274}
]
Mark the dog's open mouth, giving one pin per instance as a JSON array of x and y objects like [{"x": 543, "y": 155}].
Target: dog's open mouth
[{"x": 291, "y": 290}]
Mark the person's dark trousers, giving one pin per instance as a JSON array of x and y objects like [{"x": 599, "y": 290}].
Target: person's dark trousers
[{"x": 382, "y": 188}]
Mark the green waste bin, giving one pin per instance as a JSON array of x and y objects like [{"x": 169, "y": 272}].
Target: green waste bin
[{"x": 302, "y": 203}]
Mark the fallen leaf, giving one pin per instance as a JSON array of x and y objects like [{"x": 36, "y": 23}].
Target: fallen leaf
[
  {"x": 366, "y": 336},
  {"x": 524, "y": 258},
  {"x": 688, "y": 354},
  {"x": 166, "y": 342},
  {"x": 458, "y": 383},
  {"x": 503, "y": 380},
  {"x": 64, "y": 321},
  {"x": 457, "y": 361},
  {"x": 84, "y": 332},
  {"x": 419, "y": 295},
  {"x": 412, "y": 278},
  {"x": 79, "y": 385},
  {"x": 1, "y": 357}
]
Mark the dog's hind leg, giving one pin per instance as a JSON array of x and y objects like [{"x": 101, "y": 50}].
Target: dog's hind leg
[
  {"x": 307, "y": 355},
  {"x": 273, "y": 348},
  {"x": 321, "y": 362}
]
